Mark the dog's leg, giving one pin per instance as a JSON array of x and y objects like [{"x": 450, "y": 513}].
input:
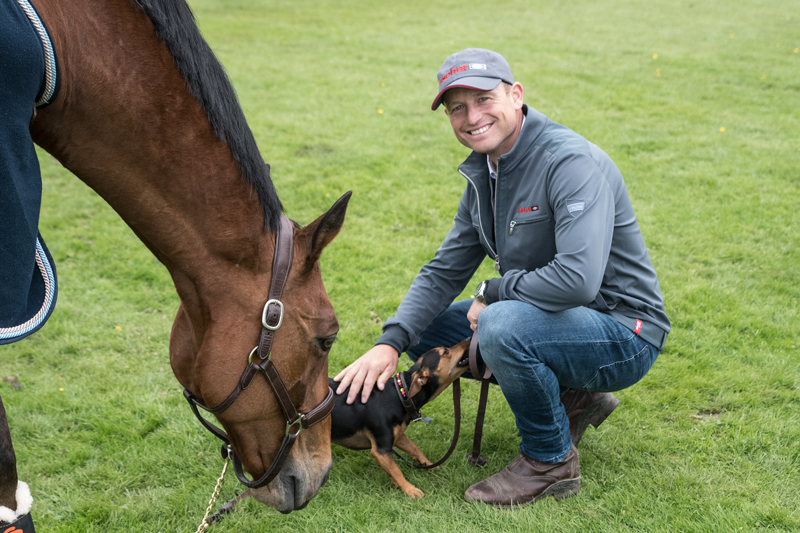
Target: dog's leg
[
  {"x": 390, "y": 467},
  {"x": 407, "y": 445}
]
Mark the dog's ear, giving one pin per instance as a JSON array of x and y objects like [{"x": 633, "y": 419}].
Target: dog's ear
[{"x": 418, "y": 379}]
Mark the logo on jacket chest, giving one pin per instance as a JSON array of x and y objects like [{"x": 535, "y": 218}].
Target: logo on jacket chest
[{"x": 528, "y": 209}]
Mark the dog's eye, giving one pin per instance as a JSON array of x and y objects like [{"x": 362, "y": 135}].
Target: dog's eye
[{"x": 447, "y": 351}]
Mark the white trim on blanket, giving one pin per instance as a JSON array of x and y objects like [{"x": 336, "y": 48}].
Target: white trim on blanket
[
  {"x": 49, "y": 53},
  {"x": 49, "y": 285}
]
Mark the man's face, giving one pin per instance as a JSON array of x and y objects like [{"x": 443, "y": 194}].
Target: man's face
[{"x": 485, "y": 121}]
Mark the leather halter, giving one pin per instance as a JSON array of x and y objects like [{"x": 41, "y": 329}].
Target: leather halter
[{"x": 271, "y": 319}]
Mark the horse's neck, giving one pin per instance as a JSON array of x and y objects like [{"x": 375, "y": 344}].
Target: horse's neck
[{"x": 127, "y": 125}]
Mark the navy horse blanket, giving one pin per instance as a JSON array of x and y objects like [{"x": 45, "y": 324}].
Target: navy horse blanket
[{"x": 28, "y": 287}]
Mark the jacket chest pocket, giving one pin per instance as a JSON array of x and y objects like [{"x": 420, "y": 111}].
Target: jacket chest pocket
[
  {"x": 530, "y": 242},
  {"x": 519, "y": 223}
]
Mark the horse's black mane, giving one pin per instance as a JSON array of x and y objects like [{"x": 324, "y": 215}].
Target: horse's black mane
[{"x": 174, "y": 23}]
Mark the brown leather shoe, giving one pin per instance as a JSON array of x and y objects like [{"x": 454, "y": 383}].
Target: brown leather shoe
[
  {"x": 526, "y": 480},
  {"x": 582, "y": 410}
]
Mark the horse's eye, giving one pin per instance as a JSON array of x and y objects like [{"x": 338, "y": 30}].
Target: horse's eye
[{"x": 327, "y": 342}]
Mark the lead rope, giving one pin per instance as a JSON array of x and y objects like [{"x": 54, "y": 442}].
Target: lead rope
[{"x": 214, "y": 496}]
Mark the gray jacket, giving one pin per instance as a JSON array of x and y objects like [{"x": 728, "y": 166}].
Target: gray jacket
[{"x": 565, "y": 235}]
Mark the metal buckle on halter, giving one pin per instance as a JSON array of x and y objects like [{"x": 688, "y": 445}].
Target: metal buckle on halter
[
  {"x": 227, "y": 451},
  {"x": 298, "y": 421},
  {"x": 250, "y": 357},
  {"x": 264, "y": 315}
]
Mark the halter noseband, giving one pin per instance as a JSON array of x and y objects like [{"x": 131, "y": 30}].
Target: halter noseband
[{"x": 271, "y": 319}]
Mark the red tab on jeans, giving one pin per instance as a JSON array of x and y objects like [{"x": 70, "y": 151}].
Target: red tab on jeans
[{"x": 638, "y": 326}]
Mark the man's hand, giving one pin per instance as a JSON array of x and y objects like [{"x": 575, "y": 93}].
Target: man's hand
[
  {"x": 380, "y": 362},
  {"x": 472, "y": 315}
]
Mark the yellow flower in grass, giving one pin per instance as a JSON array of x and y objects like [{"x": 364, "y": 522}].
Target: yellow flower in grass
[
  {"x": 61, "y": 390},
  {"x": 117, "y": 328},
  {"x": 722, "y": 129},
  {"x": 380, "y": 111},
  {"x": 655, "y": 56},
  {"x": 797, "y": 50},
  {"x": 731, "y": 36}
]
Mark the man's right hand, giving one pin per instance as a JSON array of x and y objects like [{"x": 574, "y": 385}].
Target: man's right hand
[{"x": 380, "y": 362}]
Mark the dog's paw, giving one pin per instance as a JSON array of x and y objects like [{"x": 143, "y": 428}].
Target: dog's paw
[{"x": 413, "y": 492}]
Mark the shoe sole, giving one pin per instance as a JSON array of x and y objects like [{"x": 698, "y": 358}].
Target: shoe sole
[
  {"x": 595, "y": 415},
  {"x": 561, "y": 489},
  {"x": 558, "y": 490}
]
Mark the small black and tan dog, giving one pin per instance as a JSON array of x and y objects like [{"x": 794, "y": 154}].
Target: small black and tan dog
[{"x": 380, "y": 424}]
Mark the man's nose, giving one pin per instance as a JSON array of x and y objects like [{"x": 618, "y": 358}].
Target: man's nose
[{"x": 473, "y": 115}]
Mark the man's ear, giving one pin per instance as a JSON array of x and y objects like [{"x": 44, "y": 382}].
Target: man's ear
[
  {"x": 418, "y": 379},
  {"x": 517, "y": 95}
]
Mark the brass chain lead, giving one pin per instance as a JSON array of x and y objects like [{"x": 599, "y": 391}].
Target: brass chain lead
[{"x": 214, "y": 496}]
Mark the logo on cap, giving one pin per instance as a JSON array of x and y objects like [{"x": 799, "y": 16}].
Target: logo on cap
[
  {"x": 454, "y": 70},
  {"x": 480, "y": 66}
]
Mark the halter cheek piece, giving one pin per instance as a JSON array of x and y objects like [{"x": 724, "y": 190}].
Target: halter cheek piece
[{"x": 260, "y": 361}]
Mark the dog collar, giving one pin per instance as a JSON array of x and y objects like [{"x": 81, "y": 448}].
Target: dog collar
[{"x": 402, "y": 391}]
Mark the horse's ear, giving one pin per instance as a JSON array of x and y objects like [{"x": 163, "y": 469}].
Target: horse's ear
[{"x": 325, "y": 228}]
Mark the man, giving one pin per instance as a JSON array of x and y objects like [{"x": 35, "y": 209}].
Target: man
[{"x": 577, "y": 308}]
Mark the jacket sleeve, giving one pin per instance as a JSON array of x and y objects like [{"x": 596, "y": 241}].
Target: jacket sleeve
[
  {"x": 438, "y": 283},
  {"x": 583, "y": 207}
]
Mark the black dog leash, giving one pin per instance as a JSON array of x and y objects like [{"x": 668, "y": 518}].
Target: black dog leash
[
  {"x": 475, "y": 458},
  {"x": 402, "y": 391}
]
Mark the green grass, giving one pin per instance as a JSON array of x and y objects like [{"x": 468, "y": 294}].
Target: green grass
[{"x": 708, "y": 441}]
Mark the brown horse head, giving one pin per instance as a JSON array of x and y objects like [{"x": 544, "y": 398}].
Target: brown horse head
[
  {"x": 147, "y": 118},
  {"x": 254, "y": 422}
]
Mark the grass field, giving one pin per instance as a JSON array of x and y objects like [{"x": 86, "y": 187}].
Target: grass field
[{"x": 698, "y": 103}]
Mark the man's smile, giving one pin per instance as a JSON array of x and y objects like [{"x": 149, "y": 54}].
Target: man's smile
[{"x": 480, "y": 130}]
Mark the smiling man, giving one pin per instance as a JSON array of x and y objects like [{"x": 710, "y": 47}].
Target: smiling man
[{"x": 576, "y": 313}]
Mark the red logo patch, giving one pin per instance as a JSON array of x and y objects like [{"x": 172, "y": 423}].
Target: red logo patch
[
  {"x": 638, "y": 327},
  {"x": 454, "y": 70},
  {"x": 528, "y": 209}
]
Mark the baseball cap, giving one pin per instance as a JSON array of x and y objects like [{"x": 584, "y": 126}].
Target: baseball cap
[{"x": 473, "y": 68}]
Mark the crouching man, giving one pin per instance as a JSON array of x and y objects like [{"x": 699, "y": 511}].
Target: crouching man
[{"x": 577, "y": 312}]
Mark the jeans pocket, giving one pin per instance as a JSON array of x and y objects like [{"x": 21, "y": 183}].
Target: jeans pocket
[{"x": 622, "y": 374}]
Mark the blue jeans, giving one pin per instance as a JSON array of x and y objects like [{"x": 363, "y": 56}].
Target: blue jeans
[{"x": 536, "y": 356}]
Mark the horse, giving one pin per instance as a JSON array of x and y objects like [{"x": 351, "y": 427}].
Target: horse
[{"x": 146, "y": 116}]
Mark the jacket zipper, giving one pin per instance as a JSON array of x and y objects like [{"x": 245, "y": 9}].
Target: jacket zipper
[
  {"x": 515, "y": 223},
  {"x": 480, "y": 221}
]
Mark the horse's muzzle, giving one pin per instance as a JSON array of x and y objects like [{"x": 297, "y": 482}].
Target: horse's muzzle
[{"x": 293, "y": 488}]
